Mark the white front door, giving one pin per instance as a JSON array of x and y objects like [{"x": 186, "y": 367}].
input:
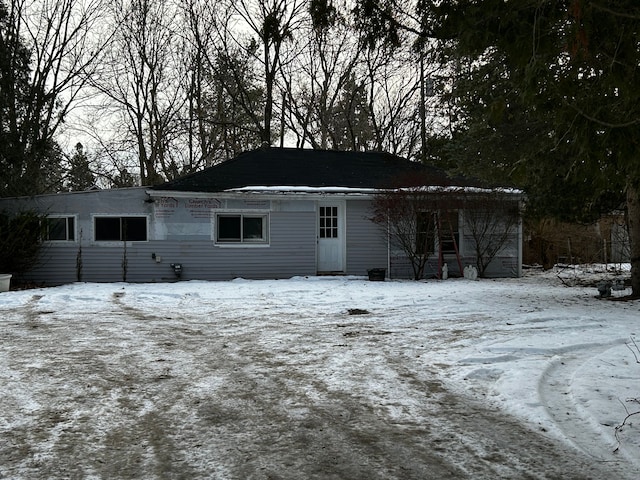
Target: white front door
[{"x": 331, "y": 240}]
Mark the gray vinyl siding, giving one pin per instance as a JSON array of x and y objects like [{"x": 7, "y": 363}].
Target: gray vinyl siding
[
  {"x": 182, "y": 231},
  {"x": 291, "y": 252},
  {"x": 58, "y": 261},
  {"x": 505, "y": 264},
  {"x": 401, "y": 266},
  {"x": 502, "y": 266},
  {"x": 56, "y": 265},
  {"x": 366, "y": 241}
]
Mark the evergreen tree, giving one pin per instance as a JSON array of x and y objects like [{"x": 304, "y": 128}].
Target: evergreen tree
[
  {"x": 20, "y": 241},
  {"x": 544, "y": 94},
  {"x": 350, "y": 126},
  {"x": 123, "y": 179},
  {"x": 231, "y": 108},
  {"x": 548, "y": 98},
  {"x": 80, "y": 176},
  {"x": 29, "y": 158}
]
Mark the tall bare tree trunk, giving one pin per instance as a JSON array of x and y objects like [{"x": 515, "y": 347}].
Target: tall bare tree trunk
[
  {"x": 269, "y": 80},
  {"x": 423, "y": 112},
  {"x": 633, "y": 211}
]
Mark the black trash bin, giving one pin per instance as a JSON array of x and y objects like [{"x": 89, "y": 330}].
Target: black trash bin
[{"x": 377, "y": 274}]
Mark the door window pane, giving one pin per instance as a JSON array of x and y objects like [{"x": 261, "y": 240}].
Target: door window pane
[{"x": 328, "y": 222}]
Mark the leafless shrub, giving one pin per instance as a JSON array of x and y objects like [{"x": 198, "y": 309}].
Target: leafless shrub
[{"x": 635, "y": 350}]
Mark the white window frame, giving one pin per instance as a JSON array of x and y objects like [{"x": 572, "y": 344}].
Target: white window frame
[
  {"x": 242, "y": 242},
  {"x": 74, "y": 229}
]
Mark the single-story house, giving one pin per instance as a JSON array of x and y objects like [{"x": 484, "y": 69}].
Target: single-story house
[{"x": 269, "y": 213}]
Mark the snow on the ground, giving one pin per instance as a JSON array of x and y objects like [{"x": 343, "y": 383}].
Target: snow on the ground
[{"x": 542, "y": 347}]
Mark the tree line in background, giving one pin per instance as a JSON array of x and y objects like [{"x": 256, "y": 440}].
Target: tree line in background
[
  {"x": 154, "y": 89},
  {"x": 540, "y": 94}
]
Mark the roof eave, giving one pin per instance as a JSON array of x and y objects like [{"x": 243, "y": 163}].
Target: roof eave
[
  {"x": 270, "y": 193},
  {"x": 307, "y": 191}
]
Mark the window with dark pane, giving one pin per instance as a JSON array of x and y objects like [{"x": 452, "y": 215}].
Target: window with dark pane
[
  {"x": 241, "y": 228},
  {"x": 134, "y": 229},
  {"x": 59, "y": 229},
  {"x": 229, "y": 228},
  {"x": 252, "y": 228},
  {"x": 107, "y": 229},
  {"x": 118, "y": 229},
  {"x": 71, "y": 228}
]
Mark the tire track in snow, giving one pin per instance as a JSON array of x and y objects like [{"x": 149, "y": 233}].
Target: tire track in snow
[{"x": 574, "y": 422}]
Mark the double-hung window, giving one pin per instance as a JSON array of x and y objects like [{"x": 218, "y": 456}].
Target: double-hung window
[
  {"x": 242, "y": 228},
  {"x": 120, "y": 229},
  {"x": 59, "y": 229}
]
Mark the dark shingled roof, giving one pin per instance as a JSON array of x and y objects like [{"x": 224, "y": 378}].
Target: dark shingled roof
[{"x": 271, "y": 167}]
